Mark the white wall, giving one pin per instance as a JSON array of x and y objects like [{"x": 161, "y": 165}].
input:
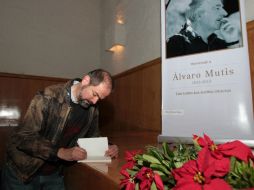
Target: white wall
[
  {"x": 59, "y": 38},
  {"x": 249, "y": 7},
  {"x": 65, "y": 38},
  {"x": 142, "y": 24}
]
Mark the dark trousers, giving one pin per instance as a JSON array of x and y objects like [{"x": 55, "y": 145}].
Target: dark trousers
[{"x": 10, "y": 181}]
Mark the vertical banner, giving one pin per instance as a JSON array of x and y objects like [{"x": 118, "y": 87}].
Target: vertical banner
[{"x": 206, "y": 85}]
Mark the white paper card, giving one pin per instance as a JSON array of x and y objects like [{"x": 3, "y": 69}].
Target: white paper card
[{"x": 95, "y": 148}]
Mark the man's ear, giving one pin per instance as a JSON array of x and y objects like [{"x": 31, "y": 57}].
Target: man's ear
[
  {"x": 199, "y": 14},
  {"x": 86, "y": 80}
]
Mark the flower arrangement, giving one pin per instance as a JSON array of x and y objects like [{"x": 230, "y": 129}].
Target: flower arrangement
[{"x": 201, "y": 166}]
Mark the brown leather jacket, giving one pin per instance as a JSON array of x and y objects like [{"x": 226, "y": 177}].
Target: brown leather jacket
[{"x": 35, "y": 140}]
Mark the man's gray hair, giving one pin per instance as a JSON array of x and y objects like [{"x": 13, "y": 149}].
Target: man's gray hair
[
  {"x": 98, "y": 76},
  {"x": 194, "y": 9}
]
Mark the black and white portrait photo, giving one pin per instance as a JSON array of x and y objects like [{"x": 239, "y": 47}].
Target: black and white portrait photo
[{"x": 197, "y": 26}]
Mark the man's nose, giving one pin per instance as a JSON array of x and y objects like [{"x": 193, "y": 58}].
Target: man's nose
[
  {"x": 223, "y": 12},
  {"x": 95, "y": 100}
]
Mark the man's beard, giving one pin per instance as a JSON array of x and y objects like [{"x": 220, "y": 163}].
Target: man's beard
[{"x": 83, "y": 102}]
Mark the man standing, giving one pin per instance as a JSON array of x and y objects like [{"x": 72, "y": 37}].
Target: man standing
[
  {"x": 204, "y": 19},
  {"x": 47, "y": 137}
]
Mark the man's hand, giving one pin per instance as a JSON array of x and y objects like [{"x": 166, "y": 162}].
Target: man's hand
[
  {"x": 72, "y": 154},
  {"x": 112, "y": 151},
  {"x": 229, "y": 32}
]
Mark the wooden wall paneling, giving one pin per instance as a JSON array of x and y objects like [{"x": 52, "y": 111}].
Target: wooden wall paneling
[
  {"x": 136, "y": 100},
  {"x": 18, "y": 90},
  {"x": 250, "y": 30},
  {"x": 133, "y": 103},
  {"x": 152, "y": 98}
]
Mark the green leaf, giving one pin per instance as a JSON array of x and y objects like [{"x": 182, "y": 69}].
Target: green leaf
[
  {"x": 140, "y": 162},
  {"x": 166, "y": 150},
  {"x": 138, "y": 157},
  {"x": 160, "y": 173},
  {"x": 137, "y": 186},
  {"x": 241, "y": 174},
  {"x": 178, "y": 164},
  {"x": 160, "y": 168},
  {"x": 155, "y": 152},
  {"x": 150, "y": 159},
  {"x": 196, "y": 145},
  {"x": 153, "y": 186},
  {"x": 131, "y": 172},
  {"x": 167, "y": 164}
]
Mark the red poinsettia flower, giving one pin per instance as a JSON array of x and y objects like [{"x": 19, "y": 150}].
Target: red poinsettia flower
[
  {"x": 128, "y": 182},
  {"x": 235, "y": 148},
  {"x": 147, "y": 176},
  {"x": 202, "y": 174},
  {"x": 128, "y": 165},
  {"x": 129, "y": 155},
  {"x": 130, "y": 158}
]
